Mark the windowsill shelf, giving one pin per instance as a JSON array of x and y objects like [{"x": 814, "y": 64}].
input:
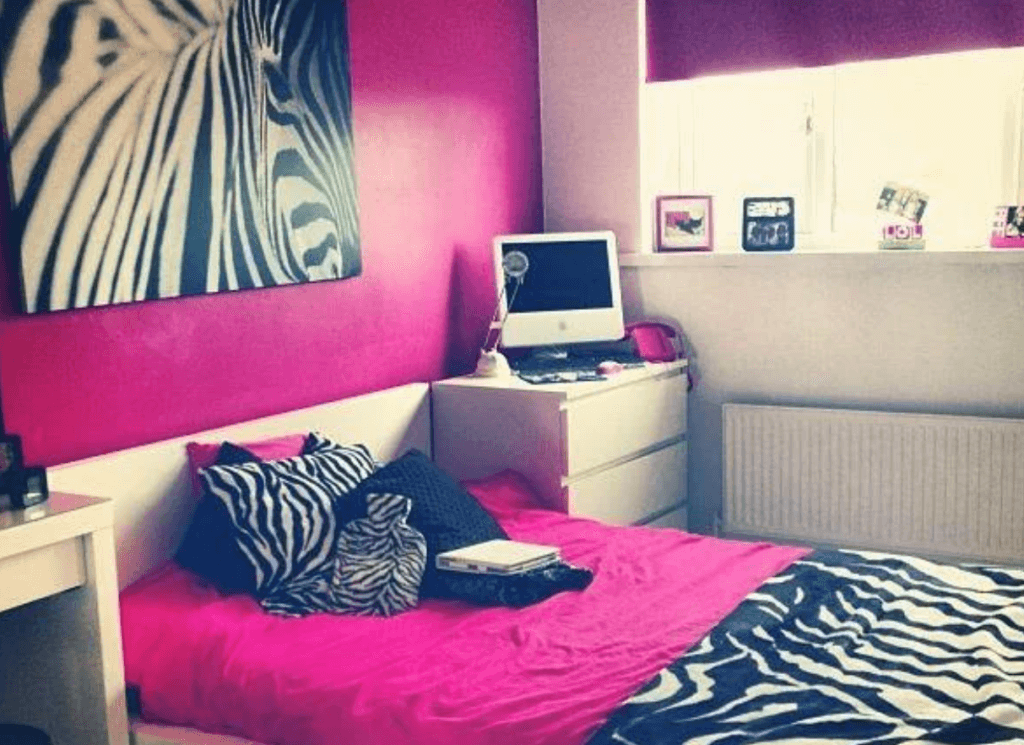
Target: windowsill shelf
[{"x": 709, "y": 259}]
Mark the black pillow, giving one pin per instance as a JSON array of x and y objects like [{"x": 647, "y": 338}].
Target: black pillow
[
  {"x": 447, "y": 515},
  {"x": 209, "y": 548}
]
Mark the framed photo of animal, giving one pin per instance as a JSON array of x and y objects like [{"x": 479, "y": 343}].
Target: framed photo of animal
[
  {"x": 684, "y": 223},
  {"x": 157, "y": 149}
]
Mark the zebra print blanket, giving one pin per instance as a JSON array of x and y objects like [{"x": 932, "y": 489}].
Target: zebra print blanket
[{"x": 848, "y": 647}]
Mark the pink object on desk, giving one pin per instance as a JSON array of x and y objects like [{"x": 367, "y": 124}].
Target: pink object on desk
[{"x": 653, "y": 341}]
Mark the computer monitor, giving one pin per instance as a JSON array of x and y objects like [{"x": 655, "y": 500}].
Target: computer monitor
[{"x": 569, "y": 294}]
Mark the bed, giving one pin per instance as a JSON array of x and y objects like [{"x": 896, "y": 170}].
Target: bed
[{"x": 678, "y": 638}]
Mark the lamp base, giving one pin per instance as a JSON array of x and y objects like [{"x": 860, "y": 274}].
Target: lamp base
[{"x": 492, "y": 364}]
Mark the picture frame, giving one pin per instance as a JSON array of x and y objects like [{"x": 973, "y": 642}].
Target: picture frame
[
  {"x": 12, "y": 466},
  {"x": 902, "y": 201},
  {"x": 11, "y": 462},
  {"x": 769, "y": 224},
  {"x": 132, "y": 179},
  {"x": 685, "y": 223},
  {"x": 1008, "y": 227}
]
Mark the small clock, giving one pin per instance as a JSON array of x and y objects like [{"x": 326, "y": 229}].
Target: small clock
[{"x": 34, "y": 489}]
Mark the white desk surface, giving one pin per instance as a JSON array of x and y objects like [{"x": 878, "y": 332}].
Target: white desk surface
[
  {"x": 568, "y": 390},
  {"x": 60, "y": 517},
  {"x": 60, "y": 631}
]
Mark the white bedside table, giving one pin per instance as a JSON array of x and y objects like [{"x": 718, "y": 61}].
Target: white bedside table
[
  {"x": 61, "y": 665},
  {"x": 613, "y": 450}
]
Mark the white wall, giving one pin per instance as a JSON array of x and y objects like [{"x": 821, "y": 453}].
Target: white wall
[
  {"x": 920, "y": 332},
  {"x": 902, "y": 333},
  {"x": 589, "y": 99}
]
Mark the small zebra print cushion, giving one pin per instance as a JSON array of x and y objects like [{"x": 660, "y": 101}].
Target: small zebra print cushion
[
  {"x": 282, "y": 511},
  {"x": 447, "y": 515},
  {"x": 379, "y": 560}
]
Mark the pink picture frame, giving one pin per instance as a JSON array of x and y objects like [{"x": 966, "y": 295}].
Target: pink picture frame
[
  {"x": 1008, "y": 227},
  {"x": 684, "y": 223}
]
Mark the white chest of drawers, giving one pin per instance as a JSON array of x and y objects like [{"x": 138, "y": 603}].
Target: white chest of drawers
[{"x": 613, "y": 450}]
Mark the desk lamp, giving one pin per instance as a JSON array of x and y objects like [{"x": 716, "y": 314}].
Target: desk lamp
[{"x": 492, "y": 363}]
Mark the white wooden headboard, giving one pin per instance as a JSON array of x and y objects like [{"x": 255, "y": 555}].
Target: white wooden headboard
[{"x": 150, "y": 486}]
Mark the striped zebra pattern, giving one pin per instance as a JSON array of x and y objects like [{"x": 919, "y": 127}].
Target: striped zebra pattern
[
  {"x": 283, "y": 514},
  {"x": 174, "y": 147},
  {"x": 380, "y": 560},
  {"x": 848, "y": 647}
]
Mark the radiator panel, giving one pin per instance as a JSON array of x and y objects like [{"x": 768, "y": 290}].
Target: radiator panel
[{"x": 934, "y": 485}]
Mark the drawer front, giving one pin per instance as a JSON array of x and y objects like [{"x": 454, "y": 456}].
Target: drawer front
[
  {"x": 41, "y": 572},
  {"x": 633, "y": 491},
  {"x": 614, "y": 424}
]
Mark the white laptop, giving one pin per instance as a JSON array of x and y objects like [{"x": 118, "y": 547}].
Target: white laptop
[{"x": 497, "y": 557}]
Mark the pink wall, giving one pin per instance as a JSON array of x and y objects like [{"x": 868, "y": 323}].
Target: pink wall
[{"x": 446, "y": 117}]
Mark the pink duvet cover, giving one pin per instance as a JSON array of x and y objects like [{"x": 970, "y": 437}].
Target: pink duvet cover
[{"x": 446, "y": 672}]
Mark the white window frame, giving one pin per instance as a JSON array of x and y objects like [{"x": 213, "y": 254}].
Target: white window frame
[{"x": 667, "y": 160}]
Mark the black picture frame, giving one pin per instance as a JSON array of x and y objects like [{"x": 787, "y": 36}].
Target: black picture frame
[
  {"x": 768, "y": 224},
  {"x": 12, "y": 467}
]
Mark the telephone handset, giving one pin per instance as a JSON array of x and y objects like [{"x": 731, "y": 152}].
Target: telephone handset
[{"x": 653, "y": 340}]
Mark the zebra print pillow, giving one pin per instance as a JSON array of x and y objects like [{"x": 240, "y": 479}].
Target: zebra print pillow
[
  {"x": 380, "y": 560},
  {"x": 447, "y": 515},
  {"x": 283, "y": 511}
]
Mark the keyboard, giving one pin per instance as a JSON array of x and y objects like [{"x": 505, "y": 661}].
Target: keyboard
[{"x": 573, "y": 367}]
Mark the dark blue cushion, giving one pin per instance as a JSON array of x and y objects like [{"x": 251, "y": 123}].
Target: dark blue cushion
[
  {"x": 209, "y": 548},
  {"x": 20, "y": 734}
]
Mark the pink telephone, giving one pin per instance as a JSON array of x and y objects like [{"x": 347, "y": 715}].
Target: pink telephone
[{"x": 653, "y": 340}]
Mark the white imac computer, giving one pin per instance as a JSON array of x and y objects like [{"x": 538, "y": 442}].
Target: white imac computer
[{"x": 569, "y": 293}]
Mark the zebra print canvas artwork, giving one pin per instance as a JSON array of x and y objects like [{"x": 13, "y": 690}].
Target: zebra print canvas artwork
[
  {"x": 159, "y": 148},
  {"x": 847, "y": 648}
]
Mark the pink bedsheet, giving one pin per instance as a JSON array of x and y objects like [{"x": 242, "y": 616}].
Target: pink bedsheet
[{"x": 446, "y": 672}]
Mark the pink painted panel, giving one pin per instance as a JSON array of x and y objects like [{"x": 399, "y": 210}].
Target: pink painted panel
[{"x": 447, "y": 147}]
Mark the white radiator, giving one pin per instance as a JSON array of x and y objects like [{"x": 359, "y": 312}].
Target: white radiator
[{"x": 934, "y": 485}]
